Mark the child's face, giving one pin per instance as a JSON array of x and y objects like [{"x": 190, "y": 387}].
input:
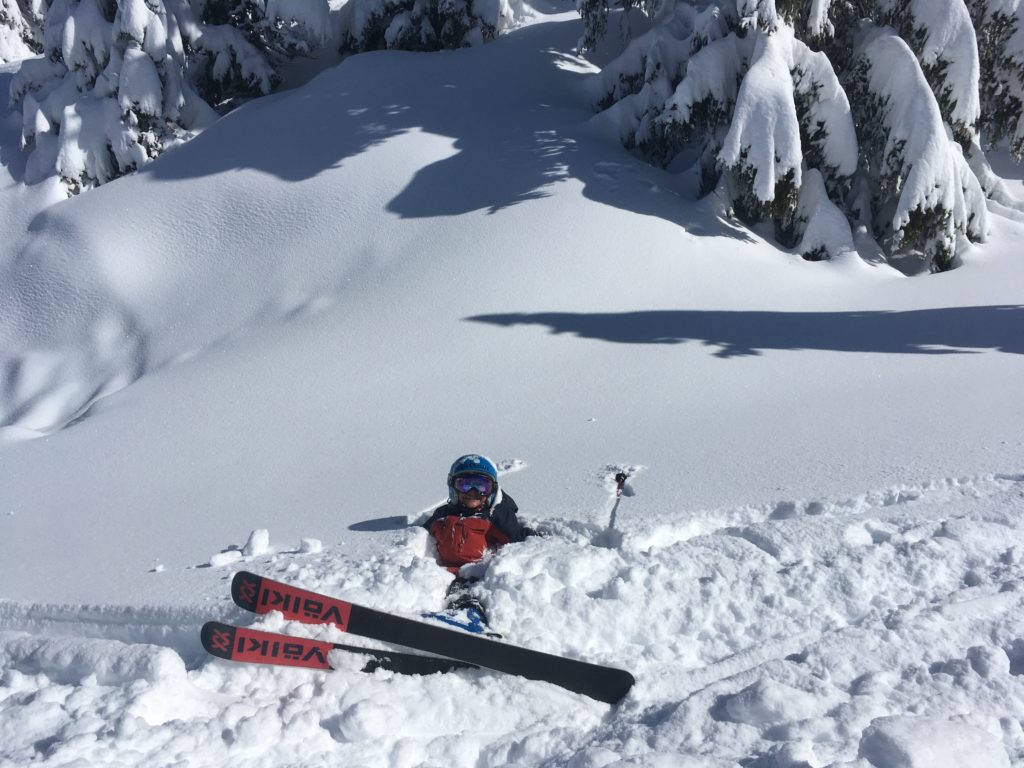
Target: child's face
[{"x": 470, "y": 500}]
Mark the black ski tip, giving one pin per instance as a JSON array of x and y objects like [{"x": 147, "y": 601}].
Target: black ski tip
[
  {"x": 245, "y": 590},
  {"x": 217, "y": 639},
  {"x": 619, "y": 687}
]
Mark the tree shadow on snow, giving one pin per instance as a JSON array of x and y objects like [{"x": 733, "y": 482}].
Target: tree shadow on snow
[
  {"x": 954, "y": 330},
  {"x": 517, "y": 113}
]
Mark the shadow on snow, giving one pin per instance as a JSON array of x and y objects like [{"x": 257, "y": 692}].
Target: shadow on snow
[
  {"x": 516, "y": 110},
  {"x": 394, "y": 523},
  {"x": 954, "y": 330}
]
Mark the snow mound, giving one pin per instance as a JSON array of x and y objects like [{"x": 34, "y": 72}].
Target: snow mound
[
  {"x": 767, "y": 701},
  {"x": 921, "y": 742},
  {"x": 45, "y": 388},
  {"x": 105, "y": 662}
]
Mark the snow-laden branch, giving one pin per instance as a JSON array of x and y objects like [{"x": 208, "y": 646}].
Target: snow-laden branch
[
  {"x": 924, "y": 196},
  {"x": 943, "y": 38},
  {"x": 764, "y": 136}
]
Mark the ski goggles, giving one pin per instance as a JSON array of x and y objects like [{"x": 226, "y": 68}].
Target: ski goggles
[{"x": 479, "y": 483}]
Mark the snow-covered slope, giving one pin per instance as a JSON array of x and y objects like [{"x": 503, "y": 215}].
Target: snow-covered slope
[
  {"x": 882, "y": 630},
  {"x": 334, "y": 291}
]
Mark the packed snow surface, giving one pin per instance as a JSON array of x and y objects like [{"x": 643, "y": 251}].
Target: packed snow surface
[{"x": 264, "y": 350}]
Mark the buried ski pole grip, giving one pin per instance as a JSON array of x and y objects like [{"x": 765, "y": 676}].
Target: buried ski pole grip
[{"x": 620, "y": 482}]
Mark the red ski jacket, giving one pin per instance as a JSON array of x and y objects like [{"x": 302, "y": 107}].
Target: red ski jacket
[{"x": 464, "y": 536}]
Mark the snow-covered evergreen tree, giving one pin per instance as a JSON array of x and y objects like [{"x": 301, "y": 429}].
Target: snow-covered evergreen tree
[
  {"x": 915, "y": 186},
  {"x": 595, "y": 22},
  {"x": 1000, "y": 30},
  {"x": 21, "y": 24},
  {"x": 422, "y": 25},
  {"x": 807, "y": 112},
  {"x": 595, "y": 18},
  {"x": 120, "y": 81},
  {"x": 227, "y": 65},
  {"x": 241, "y": 43},
  {"x": 754, "y": 104},
  {"x": 281, "y": 28},
  {"x": 110, "y": 92}
]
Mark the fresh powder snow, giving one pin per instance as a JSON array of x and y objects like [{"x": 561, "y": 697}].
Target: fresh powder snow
[{"x": 263, "y": 350}]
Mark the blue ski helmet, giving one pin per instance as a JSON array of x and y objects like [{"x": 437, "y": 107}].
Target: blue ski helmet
[{"x": 473, "y": 464}]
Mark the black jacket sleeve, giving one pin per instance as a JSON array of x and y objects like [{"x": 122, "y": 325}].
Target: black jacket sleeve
[{"x": 504, "y": 516}]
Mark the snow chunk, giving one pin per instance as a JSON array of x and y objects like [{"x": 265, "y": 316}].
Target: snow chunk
[
  {"x": 768, "y": 701},
  {"x": 365, "y": 721},
  {"x": 988, "y": 661},
  {"x": 225, "y": 558},
  {"x": 311, "y": 546},
  {"x": 258, "y": 543},
  {"x": 906, "y": 742}
]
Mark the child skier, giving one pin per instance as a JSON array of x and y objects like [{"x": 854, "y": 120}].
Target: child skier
[{"x": 478, "y": 517}]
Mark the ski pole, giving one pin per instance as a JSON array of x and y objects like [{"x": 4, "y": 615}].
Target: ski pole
[{"x": 620, "y": 485}]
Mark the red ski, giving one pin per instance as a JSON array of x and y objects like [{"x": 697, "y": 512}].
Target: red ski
[
  {"x": 262, "y": 595},
  {"x": 256, "y": 647}
]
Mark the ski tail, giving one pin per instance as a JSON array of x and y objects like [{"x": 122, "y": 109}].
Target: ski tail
[
  {"x": 257, "y": 647},
  {"x": 241, "y": 644},
  {"x": 245, "y": 590},
  {"x": 259, "y": 595},
  {"x": 218, "y": 639}
]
